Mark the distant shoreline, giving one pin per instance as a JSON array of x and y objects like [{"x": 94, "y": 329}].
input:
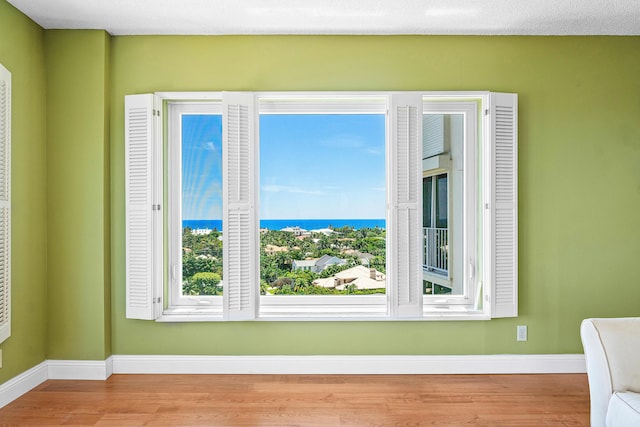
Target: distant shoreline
[{"x": 279, "y": 224}]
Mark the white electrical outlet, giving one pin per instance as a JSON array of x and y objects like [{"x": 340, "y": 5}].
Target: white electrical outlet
[{"x": 522, "y": 333}]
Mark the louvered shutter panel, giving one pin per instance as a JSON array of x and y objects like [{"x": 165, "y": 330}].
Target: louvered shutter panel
[
  {"x": 5, "y": 203},
  {"x": 404, "y": 216},
  {"x": 433, "y": 135},
  {"x": 241, "y": 256},
  {"x": 503, "y": 237},
  {"x": 143, "y": 218}
]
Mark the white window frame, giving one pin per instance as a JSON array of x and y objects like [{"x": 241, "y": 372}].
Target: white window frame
[
  {"x": 203, "y": 304},
  {"x": 469, "y": 299},
  {"x": 404, "y": 299},
  {"x": 323, "y": 306}
]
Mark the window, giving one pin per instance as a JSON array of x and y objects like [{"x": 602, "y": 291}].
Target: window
[
  {"x": 195, "y": 183},
  {"x": 450, "y": 203},
  {"x": 322, "y": 203},
  {"x": 309, "y": 205},
  {"x": 5, "y": 203}
]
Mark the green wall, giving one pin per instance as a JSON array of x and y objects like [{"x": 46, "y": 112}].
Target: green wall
[
  {"x": 78, "y": 278},
  {"x": 579, "y": 176},
  {"x": 21, "y": 52},
  {"x": 579, "y": 182}
]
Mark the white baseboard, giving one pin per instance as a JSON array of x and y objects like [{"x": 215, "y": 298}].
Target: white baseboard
[
  {"x": 80, "y": 369},
  {"x": 23, "y": 383},
  {"x": 123, "y": 364},
  {"x": 473, "y": 364}
]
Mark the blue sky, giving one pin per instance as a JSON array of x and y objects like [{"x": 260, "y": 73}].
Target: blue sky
[
  {"x": 322, "y": 166},
  {"x": 201, "y": 167},
  {"x": 311, "y": 166}
]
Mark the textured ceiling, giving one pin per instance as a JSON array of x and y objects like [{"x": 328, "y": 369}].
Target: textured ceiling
[{"x": 490, "y": 17}]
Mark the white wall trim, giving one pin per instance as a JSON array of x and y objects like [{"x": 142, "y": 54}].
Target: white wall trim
[
  {"x": 123, "y": 364},
  {"x": 23, "y": 383},
  {"x": 80, "y": 369},
  {"x": 472, "y": 364}
]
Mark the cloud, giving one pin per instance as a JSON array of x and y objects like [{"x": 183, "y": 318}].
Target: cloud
[
  {"x": 343, "y": 141},
  {"x": 289, "y": 189},
  {"x": 374, "y": 151},
  {"x": 352, "y": 142},
  {"x": 210, "y": 146}
]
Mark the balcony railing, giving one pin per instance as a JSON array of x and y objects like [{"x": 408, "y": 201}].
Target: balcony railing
[{"x": 436, "y": 250}]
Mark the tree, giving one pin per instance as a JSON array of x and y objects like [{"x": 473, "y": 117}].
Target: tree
[
  {"x": 192, "y": 265},
  {"x": 203, "y": 283}
]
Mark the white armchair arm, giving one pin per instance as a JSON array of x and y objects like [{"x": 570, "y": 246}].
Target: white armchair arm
[{"x": 612, "y": 353}]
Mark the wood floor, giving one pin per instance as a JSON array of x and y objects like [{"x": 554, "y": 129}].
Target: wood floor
[{"x": 307, "y": 400}]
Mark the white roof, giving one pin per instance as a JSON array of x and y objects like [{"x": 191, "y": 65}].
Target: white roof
[
  {"x": 325, "y": 231},
  {"x": 361, "y": 276}
]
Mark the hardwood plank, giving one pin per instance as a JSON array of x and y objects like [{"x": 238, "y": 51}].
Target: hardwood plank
[{"x": 307, "y": 400}]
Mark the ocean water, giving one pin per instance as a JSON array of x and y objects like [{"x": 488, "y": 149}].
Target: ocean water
[{"x": 279, "y": 224}]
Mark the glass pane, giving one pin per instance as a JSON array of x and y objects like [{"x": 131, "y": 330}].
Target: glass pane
[
  {"x": 322, "y": 204},
  {"x": 442, "y": 201},
  {"x": 443, "y": 146},
  {"x": 427, "y": 201},
  {"x": 202, "y": 204}
]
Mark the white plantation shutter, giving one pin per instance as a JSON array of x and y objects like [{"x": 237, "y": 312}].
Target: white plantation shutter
[
  {"x": 405, "y": 116},
  {"x": 502, "y": 210},
  {"x": 433, "y": 135},
  {"x": 241, "y": 257},
  {"x": 5, "y": 203},
  {"x": 143, "y": 169}
]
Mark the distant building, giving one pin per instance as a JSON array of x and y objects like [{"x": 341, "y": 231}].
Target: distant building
[
  {"x": 297, "y": 231},
  {"x": 304, "y": 265},
  {"x": 272, "y": 249},
  {"x": 327, "y": 260},
  {"x": 317, "y": 265},
  {"x": 364, "y": 257},
  {"x": 325, "y": 231},
  {"x": 201, "y": 231},
  {"x": 359, "y": 276}
]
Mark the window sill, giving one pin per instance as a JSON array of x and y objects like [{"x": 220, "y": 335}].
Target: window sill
[
  {"x": 452, "y": 312},
  {"x": 324, "y": 313},
  {"x": 191, "y": 314},
  {"x": 328, "y": 312}
]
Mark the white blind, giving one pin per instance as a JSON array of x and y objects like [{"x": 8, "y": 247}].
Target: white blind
[
  {"x": 5, "y": 203},
  {"x": 406, "y": 148},
  {"x": 504, "y": 206},
  {"x": 432, "y": 135},
  {"x": 143, "y": 218},
  {"x": 241, "y": 257}
]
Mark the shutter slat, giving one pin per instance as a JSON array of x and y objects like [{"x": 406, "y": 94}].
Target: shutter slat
[
  {"x": 5, "y": 204},
  {"x": 504, "y": 215},
  {"x": 241, "y": 259}
]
